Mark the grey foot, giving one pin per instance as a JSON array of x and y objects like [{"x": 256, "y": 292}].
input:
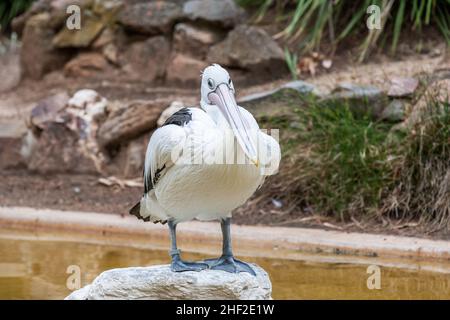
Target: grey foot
[
  {"x": 229, "y": 264},
  {"x": 179, "y": 265}
]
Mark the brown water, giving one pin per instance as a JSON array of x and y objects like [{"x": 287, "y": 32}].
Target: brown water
[{"x": 36, "y": 269}]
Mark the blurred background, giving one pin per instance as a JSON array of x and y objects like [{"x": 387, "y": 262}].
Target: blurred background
[{"x": 358, "y": 89}]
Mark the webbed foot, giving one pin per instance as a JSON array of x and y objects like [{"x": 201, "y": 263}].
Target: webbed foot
[
  {"x": 229, "y": 264},
  {"x": 179, "y": 265}
]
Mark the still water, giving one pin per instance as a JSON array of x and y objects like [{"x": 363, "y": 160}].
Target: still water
[{"x": 36, "y": 269}]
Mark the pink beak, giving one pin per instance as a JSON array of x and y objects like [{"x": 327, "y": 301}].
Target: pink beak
[{"x": 223, "y": 97}]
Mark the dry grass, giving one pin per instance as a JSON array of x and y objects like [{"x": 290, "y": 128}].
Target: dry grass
[{"x": 350, "y": 168}]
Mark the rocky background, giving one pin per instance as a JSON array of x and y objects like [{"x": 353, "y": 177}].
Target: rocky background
[{"x": 77, "y": 107}]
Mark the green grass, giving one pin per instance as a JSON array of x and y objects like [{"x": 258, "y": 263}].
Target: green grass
[
  {"x": 344, "y": 167},
  {"x": 9, "y": 9},
  {"x": 344, "y": 164},
  {"x": 310, "y": 23}
]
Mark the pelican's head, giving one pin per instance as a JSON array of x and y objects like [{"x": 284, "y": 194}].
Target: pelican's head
[{"x": 217, "y": 89}]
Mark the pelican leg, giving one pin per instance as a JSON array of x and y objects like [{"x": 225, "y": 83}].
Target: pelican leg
[
  {"x": 177, "y": 264},
  {"x": 227, "y": 262}
]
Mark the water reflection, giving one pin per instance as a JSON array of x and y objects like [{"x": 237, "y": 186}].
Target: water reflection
[{"x": 37, "y": 270}]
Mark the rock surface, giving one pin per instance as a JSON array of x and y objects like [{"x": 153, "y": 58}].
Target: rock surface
[
  {"x": 147, "y": 60},
  {"x": 249, "y": 48},
  {"x": 37, "y": 55},
  {"x": 130, "y": 120},
  {"x": 10, "y": 71},
  {"x": 159, "y": 282},
  {"x": 225, "y": 13},
  {"x": 185, "y": 69},
  {"x": 155, "y": 17}
]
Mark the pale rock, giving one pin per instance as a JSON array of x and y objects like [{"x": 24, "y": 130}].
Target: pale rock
[
  {"x": 402, "y": 87},
  {"x": 160, "y": 283}
]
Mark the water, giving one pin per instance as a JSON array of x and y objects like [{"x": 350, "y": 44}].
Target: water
[{"x": 36, "y": 269}]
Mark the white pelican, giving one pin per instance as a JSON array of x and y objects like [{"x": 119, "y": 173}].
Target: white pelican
[{"x": 177, "y": 191}]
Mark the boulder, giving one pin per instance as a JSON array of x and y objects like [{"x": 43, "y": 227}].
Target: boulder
[
  {"x": 224, "y": 13},
  {"x": 91, "y": 27},
  {"x": 37, "y": 54},
  {"x": 156, "y": 17},
  {"x": 47, "y": 109},
  {"x": 130, "y": 120},
  {"x": 147, "y": 60},
  {"x": 86, "y": 64},
  {"x": 10, "y": 70},
  {"x": 185, "y": 69},
  {"x": 360, "y": 99},
  {"x": 160, "y": 283},
  {"x": 62, "y": 134},
  {"x": 402, "y": 87},
  {"x": 250, "y": 48},
  {"x": 395, "y": 111},
  {"x": 57, "y": 149},
  {"x": 194, "y": 40}
]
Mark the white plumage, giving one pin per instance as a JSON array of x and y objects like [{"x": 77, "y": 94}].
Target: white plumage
[{"x": 202, "y": 189}]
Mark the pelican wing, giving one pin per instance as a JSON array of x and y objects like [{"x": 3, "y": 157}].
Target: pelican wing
[{"x": 159, "y": 159}]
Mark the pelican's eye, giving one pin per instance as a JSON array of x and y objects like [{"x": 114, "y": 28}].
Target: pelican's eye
[
  {"x": 229, "y": 81},
  {"x": 211, "y": 83}
]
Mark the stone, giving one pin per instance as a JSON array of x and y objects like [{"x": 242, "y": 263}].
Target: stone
[
  {"x": 194, "y": 40},
  {"x": 394, "y": 112},
  {"x": 185, "y": 69},
  {"x": 170, "y": 110},
  {"x": 88, "y": 104},
  {"x": 156, "y": 17},
  {"x": 86, "y": 64},
  {"x": 225, "y": 13},
  {"x": 130, "y": 120},
  {"x": 160, "y": 283},
  {"x": 147, "y": 60},
  {"x": 402, "y": 87},
  {"x": 360, "y": 99},
  {"x": 47, "y": 109},
  {"x": 62, "y": 134},
  {"x": 250, "y": 48},
  {"x": 10, "y": 70},
  {"x": 299, "y": 86},
  {"x": 57, "y": 149},
  {"x": 38, "y": 56},
  {"x": 91, "y": 27}
]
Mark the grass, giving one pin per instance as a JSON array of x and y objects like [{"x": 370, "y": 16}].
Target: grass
[
  {"x": 345, "y": 165},
  {"x": 422, "y": 189},
  {"x": 310, "y": 23},
  {"x": 341, "y": 161},
  {"x": 9, "y": 9}
]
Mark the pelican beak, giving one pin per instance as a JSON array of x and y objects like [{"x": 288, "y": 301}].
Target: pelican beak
[{"x": 223, "y": 97}]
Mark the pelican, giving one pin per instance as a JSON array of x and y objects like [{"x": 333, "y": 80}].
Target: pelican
[{"x": 176, "y": 190}]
